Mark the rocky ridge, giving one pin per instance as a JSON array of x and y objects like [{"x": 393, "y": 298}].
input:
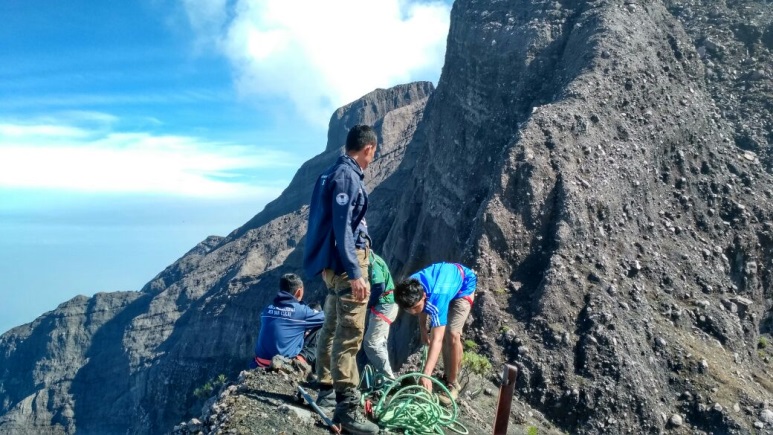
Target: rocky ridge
[{"x": 267, "y": 401}]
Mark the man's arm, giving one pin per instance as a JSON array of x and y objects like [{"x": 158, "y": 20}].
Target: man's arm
[
  {"x": 343, "y": 194},
  {"x": 435, "y": 344},
  {"x": 423, "y": 328},
  {"x": 313, "y": 318}
]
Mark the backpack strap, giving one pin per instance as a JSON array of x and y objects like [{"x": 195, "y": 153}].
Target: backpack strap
[{"x": 380, "y": 316}]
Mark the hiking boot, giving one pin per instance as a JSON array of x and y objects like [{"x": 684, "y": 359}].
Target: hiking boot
[
  {"x": 326, "y": 399},
  {"x": 353, "y": 420},
  {"x": 453, "y": 390},
  {"x": 302, "y": 366}
]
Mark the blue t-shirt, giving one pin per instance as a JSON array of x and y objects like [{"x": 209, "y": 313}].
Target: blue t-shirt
[{"x": 444, "y": 282}]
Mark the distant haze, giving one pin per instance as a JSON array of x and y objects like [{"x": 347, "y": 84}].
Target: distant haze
[{"x": 49, "y": 257}]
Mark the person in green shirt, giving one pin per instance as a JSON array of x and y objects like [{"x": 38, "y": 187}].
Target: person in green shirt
[{"x": 382, "y": 311}]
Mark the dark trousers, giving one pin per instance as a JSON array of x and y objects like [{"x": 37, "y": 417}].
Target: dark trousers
[{"x": 309, "y": 351}]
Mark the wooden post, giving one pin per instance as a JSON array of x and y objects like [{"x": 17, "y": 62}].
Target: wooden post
[{"x": 506, "y": 391}]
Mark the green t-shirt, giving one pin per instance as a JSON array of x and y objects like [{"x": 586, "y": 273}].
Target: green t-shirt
[{"x": 379, "y": 273}]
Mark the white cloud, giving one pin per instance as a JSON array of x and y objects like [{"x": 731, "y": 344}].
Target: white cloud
[
  {"x": 73, "y": 158},
  {"x": 324, "y": 54},
  {"x": 40, "y": 131},
  {"x": 113, "y": 99},
  {"x": 87, "y": 116}
]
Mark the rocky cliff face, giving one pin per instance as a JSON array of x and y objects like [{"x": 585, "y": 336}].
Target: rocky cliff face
[
  {"x": 604, "y": 165},
  {"x": 577, "y": 154},
  {"x": 623, "y": 228}
]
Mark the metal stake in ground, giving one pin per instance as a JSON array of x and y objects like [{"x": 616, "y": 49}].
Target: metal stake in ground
[
  {"x": 310, "y": 400},
  {"x": 506, "y": 390}
]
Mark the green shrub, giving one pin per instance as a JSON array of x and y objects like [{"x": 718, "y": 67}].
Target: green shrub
[
  {"x": 203, "y": 391},
  {"x": 470, "y": 345},
  {"x": 531, "y": 430},
  {"x": 207, "y": 389},
  {"x": 762, "y": 343},
  {"x": 476, "y": 363}
]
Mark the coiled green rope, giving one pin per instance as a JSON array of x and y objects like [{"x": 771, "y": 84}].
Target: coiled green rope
[
  {"x": 416, "y": 410},
  {"x": 411, "y": 408}
]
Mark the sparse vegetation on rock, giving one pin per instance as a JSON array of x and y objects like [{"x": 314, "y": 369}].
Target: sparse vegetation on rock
[{"x": 476, "y": 363}]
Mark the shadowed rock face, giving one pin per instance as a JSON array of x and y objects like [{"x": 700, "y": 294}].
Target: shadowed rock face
[
  {"x": 574, "y": 154},
  {"x": 606, "y": 182}
]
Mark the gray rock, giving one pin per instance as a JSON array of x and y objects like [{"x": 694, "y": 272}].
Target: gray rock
[
  {"x": 745, "y": 302},
  {"x": 733, "y": 308},
  {"x": 766, "y": 415},
  {"x": 301, "y": 414},
  {"x": 676, "y": 420}
]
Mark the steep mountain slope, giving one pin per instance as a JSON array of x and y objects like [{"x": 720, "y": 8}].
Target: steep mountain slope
[
  {"x": 577, "y": 157},
  {"x": 122, "y": 362},
  {"x": 734, "y": 40},
  {"x": 602, "y": 164}
]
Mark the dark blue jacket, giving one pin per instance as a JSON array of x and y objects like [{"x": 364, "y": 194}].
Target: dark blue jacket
[
  {"x": 282, "y": 326},
  {"x": 337, "y": 220}
]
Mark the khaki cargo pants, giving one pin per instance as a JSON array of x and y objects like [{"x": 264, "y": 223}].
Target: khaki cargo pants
[{"x": 341, "y": 334}]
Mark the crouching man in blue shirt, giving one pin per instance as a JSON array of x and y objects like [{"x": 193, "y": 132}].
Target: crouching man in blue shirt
[
  {"x": 443, "y": 294},
  {"x": 288, "y": 327}
]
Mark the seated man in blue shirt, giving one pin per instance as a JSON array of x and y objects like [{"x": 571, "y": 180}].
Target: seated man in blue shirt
[
  {"x": 443, "y": 294},
  {"x": 288, "y": 327}
]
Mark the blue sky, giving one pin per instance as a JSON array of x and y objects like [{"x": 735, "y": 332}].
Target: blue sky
[{"x": 130, "y": 131}]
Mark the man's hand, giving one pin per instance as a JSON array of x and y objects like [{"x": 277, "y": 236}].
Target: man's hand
[
  {"x": 359, "y": 289},
  {"x": 426, "y": 383}
]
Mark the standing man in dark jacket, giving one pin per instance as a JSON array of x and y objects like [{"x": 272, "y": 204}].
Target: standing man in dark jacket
[
  {"x": 288, "y": 327},
  {"x": 337, "y": 247}
]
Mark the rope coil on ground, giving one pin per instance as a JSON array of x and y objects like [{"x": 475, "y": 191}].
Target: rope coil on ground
[{"x": 411, "y": 408}]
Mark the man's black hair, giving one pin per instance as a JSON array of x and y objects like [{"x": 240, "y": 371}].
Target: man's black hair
[
  {"x": 359, "y": 136},
  {"x": 290, "y": 282},
  {"x": 408, "y": 293}
]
